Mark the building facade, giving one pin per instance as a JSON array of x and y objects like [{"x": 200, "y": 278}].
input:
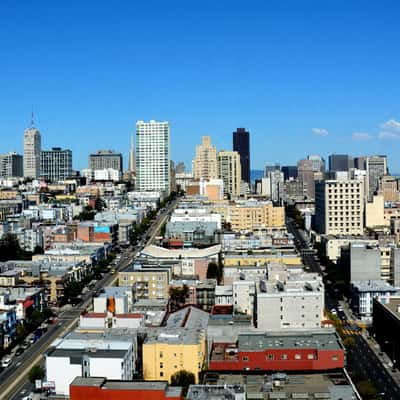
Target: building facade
[
  {"x": 205, "y": 162},
  {"x": 11, "y": 165},
  {"x": 241, "y": 144},
  {"x": 229, "y": 171},
  {"x": 376, "y": 169},
  {"x": 32, "y": 148},
  {"x": 153, "y": 156},
  {"x": 56, "y": 164},
  {"x": 105, "y": 159},
  {"x": 339, "y": 207}
]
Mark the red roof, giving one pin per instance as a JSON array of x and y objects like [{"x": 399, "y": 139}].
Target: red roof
[
  {"x": 132, "y": 315},
  {"x": 94, "y": 315}
]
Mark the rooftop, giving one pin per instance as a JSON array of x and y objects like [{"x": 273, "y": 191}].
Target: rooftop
[
  {"x": 161, "y": 252},
  {"x": 373, "y": 286}
]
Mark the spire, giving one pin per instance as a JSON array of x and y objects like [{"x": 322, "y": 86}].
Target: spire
[{"x": 32, "y": 119}]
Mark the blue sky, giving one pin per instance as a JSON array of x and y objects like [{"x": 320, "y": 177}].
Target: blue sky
[{"x": 303, "y": 76}]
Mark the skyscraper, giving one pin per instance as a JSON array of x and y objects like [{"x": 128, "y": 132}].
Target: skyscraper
[
  {"x": 306, "y": 175},
  {"x": 205, "y": 160},
  {"x": 376, "y": 169},
  {"x": 32, "y": 147},
  {"x": 55, "y": 164},
  {"x": 241, "y": 144},
  {"x": 318, "y": 163},
  {"x": 229, "y": 171},
  {"x": 105, "y": 159},
  {"x": 11, "y": 165},
  {"x": 153, "y": 156},
  {"x": 340, "y": 162}
]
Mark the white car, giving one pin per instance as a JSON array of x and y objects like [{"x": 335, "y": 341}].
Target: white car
[{"x": 6, "y": 362}]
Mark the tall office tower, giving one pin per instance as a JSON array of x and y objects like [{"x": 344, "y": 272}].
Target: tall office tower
[
  {"x": 306, "y": 175},
  {"x": 376, "y": 169},
  {"x": 339, "y": 207},
  {"x": 360, "y": 162},
  {"x": 229, "y": 171},
  {"x": 105, "y": 159},
  {"x": 269, "y": 167},
  {"x": 289, "y": 172},
  {"x": 318, "y": 163},
  {"x": 132, "y": 161},
  {"x": 153, "y": 156},
  {"x": 11, "y": 165},
  {"x": 340, "y": 162},
  {"x": 32, "y": 147},
  {"x": 55, "y": 164},
  {"x": 205, "y": 161},
  {"x": 241, "y": 144}
]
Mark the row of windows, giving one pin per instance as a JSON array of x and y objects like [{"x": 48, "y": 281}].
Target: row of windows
[{"x": 309, "y": 356}]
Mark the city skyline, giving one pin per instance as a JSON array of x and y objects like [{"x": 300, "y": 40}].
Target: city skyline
[{"x": 286, "y": 75}]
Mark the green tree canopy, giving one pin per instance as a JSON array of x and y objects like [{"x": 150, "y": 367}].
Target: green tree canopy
[
  {"x": 184, "y": 379},
  {"x": 36, "y": 372}
]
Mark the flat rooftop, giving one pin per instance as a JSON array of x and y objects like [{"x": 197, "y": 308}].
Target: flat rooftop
[
  {"x": 334, "y": 386},
  {"x": 326, "y": 340}
]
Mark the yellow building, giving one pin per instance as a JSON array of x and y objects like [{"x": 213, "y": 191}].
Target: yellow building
[
  {"x": 181, "y": 345},
  {"x": 233, "y": 260},
  {"x": 229, "y": 170}
]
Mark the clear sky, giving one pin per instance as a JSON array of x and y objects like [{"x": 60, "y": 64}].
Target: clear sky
[{"x": 303, "y": 76}]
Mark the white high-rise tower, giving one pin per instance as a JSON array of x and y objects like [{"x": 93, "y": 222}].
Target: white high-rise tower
[
  {"x": 32, "y": 148},
  {"x": 153, "y": 156}
]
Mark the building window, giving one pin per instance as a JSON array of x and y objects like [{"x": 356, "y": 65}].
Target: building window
[
  {"x": 161, "y": 365},
  {"x": 270, "y": 357},
  {"x": 284, "y": 357},
  {"x": 161, "y": 354},
  {"x": 310, "y": 356},
  {"x": 245, "y": 358},
  {"x": 297, "y": 356},
  {"x": 161, "y": 374},
  {"x": 335, "y": 358}
]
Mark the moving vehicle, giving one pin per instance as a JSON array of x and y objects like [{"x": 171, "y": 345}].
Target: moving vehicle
[{"x": 19, "y": 351}]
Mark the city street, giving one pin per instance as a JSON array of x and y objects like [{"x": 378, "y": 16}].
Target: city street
[{"x": 14, "y": 382}]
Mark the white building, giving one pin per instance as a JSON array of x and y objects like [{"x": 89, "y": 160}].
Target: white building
[
  {"x": 110, "y": 354},
  {"x": 296, "y": 302},
  {"x": 339, "y": 207},
  {"x": 153, "y": 156},
  {"x": 364, "y": 292},
  {"x": 243, "y": 297},
  {"x": 229, "y": 170},
  {"x": 32, "y": 147}
]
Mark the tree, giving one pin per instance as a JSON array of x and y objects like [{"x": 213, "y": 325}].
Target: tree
[
  {"x": 367, "y": 390},
  {"x": 184, "y": 379},
  {"x": 178, "y": 296},
  {"x": 72, "y": 290},
  {"x": 36, "y": 372},
  {"x": 21, "y": 331},
  {"x": 36, "y": 318}
]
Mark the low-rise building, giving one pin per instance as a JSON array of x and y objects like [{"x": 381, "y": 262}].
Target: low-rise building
[
  {"x": 105, "y": 389},
  {"x": 111, "y": 354},
  {"x": 364, "y": 292},
  {"x": 319, "y": 350}
]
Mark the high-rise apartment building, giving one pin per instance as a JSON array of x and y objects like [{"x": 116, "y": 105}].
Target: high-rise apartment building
[
  {"x": 32, "y": 147},
  {"x": 339, "y": 207},
  {"x": 340, "y": 162},
  {"x": 376, "y": 169},
  {"x": 241, "y": 144},
  {"x": 105, "y": 159},
  {"x": 132, "y": 158},
  {"x": 205, "y": 161},
  {"x": 153, "y": 156},
  {"x": 11, "y": 165},
  {"x": 55, "y": 164},
  {"x": 229, "y": 171}
]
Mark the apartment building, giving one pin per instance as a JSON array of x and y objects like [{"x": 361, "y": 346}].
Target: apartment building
[
  {"x": 229, "y": 170},
  {"x": 339, "y": 207},
  {"x": 205, "y": 162}
]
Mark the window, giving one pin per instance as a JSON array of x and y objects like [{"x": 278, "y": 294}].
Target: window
[
  {"x": 245, "y": 358},
  {"x": 310, "y": 356},
  {"x": 271, "y": 357},
  {"x": 297, "y": 356},
  {"x": 284, "y": 357},
  {"x": 335, "y": 358},
  {"x": 161, "y": 374},
  {"x": 161, "y": 365}
]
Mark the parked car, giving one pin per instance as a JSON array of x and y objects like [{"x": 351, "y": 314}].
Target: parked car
[
  {"x": 19, "y": 351},
  {"x": 6, "y": 362}
]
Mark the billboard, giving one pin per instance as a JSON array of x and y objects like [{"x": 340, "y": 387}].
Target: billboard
[{"x": 101, "y": 229}]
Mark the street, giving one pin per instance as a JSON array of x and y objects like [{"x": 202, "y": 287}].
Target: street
[{"x": 14, "y": 383}]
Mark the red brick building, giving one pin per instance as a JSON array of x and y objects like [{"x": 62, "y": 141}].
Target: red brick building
[
  {"x": 103, "y": 389},
  {"x": 318, "y": 351}
]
